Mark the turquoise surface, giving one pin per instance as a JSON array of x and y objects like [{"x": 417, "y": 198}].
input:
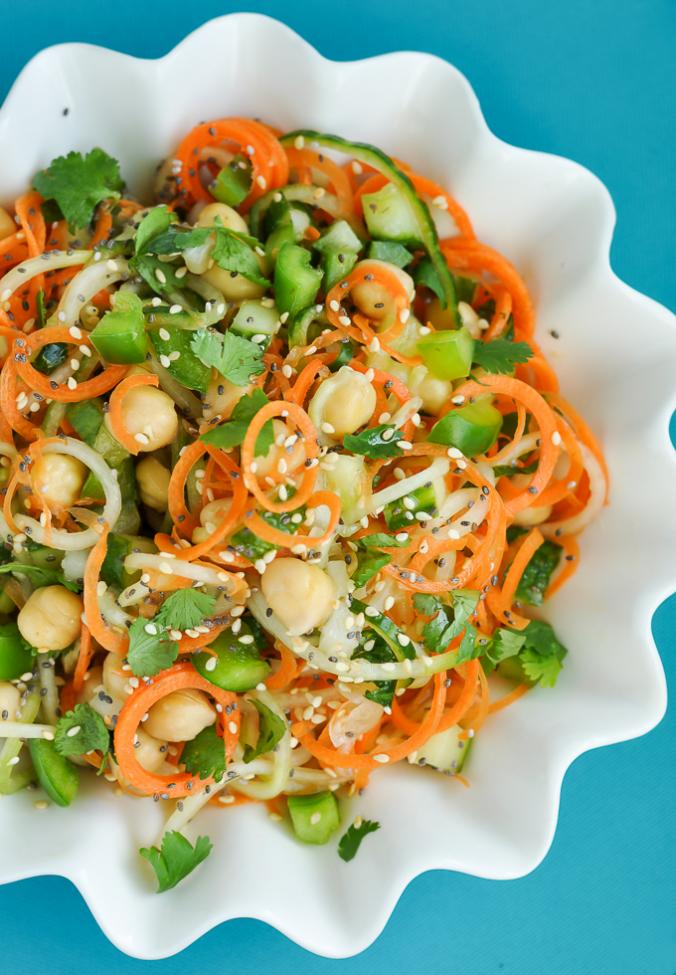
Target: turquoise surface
[{"x": 593, "y": 81}]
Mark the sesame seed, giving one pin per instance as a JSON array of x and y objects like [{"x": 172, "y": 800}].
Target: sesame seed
[
  {"x": 211, "y": 664},
  {"x": 164, "y": 335},
  {"x": 262, "y": 182},
  {"x": 141, "y": 438},
  {"x": 246, "y": 639},
  {"x": 441, "y": 202},
  {"x": 71, "y": 383},
  {"x": 165, "y": 361},
  {"x": 383, "y": 759},
  {"x": 327, "y": 428},
  {"x": 175, "y": 309},
  {"x": 75, "y": 730},
  {"x": 299, "y": 142},
  {"x": 315, "y": 818},
  {"x": 556, "y": 438}
]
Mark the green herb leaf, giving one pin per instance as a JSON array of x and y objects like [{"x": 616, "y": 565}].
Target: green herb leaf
[
  {"x": 176, "y": 859},
  {"x": 185, "y": 609},
  {"x": 205, "y": 755},
  {"x": 381, "y": 540},
  {"x": 541, "y": 658},
  {"x": 506, "y": 470},
  {"x": 155, "y": 222},
  {"x": 371, "y": 442},
  {"x": 426, "y": 274},
  {"x": 390, "y": 251},
  {"x": 501, "y": 646},
  {"x": 537, "y": 574},
  {"x": 80, "y": 731},
  {"x": 149, "y": 652},
  {"x": 40, "y": 576},
  {"x": 237, "y": 359},
  {"x": 444, "y": 627},
  {"x": 78, "y": 183},
  {"x": 540, "y": 669},
  {"x": 232, "y": 432},
  {"x": 271, "y": 729},
  {"x": 231, "y": 250},
  {"x": 501, "y": 355},
  {"x": 160, "y": 276},
  {"x": 351, "y": 841},
  {"x": 368, "y": 565}
]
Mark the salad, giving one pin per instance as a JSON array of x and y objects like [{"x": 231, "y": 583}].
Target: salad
[{"x": 285, "y": 482}]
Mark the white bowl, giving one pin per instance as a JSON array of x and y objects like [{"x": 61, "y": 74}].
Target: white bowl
[{"x": 615, "y": 357}]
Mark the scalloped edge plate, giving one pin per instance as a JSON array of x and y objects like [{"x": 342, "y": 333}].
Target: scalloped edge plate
[{"x": 554, "y": 220}]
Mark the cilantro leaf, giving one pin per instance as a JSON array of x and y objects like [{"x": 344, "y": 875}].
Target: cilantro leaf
[
  {"x": 541, "y": 658},
  {"x": 80, "y": 731},
  {"x": 232, "y": 432},
  {"x": 271, "y": 729},
  {"x": 149, "y": 652},
  {"x": 368, "y": 565},
  {"x": 537, "y": 574},
  {"x": 540, "y": 669},
  {"x": 237, "y": 359},
  {"x": 155, "y": 222},
  {"x": 160, "y": 276},
  {"x": 78, "y": 183},
  {"x": 372, "y": 443},
  {"x": 381, "y": 540},
  {"x": 501, "y": 646},
  {"x": 176, "y": 859},
  {"x": 425, "y": 273},
  {"x": 506, "y": 470},
  {"x": 205, "y": 755},
  {"x": 40, "y": 576},
  {"x": 351, "y": 841},
  {"x": 185, "y": 609},
  {"x": 501, "y": 355},
  {"x": 443, "y": 628},
  {"x": 231, "y": 250}
]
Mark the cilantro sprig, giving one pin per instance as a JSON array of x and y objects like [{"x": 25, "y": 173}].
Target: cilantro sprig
[
  {"x": 80, "y": 731},
  {"x": 232, "y": 432},
  {"x": 185, "y": 609},
  {"x": 150, "y": 649},
  {"x": 448, "y": 622},
  {"x": 238, "y": 360},
  {"x": 231, "y": 251},
  {"x": 79, "y": 183},
  {"x": 205, "y": 755},
  {"x": 351, "y": 841},
  {"x": 176, "y": 858},
  {"x": 501, "y": 355}
]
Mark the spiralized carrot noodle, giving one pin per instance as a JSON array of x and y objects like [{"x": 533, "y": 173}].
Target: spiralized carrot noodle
[{"x": 303, "y": 584}]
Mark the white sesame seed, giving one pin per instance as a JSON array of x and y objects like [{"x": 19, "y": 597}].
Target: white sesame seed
[
  {"x": 75, "y": 730},
  {"x": 299, "y": 142},
  {"x": 75, "y": 332},
  {"x": 441, "y": 202},
  {"x": 164, "y": 335},
  {"x": 405, "y": 444},
  {"x": 556, "y": 438},
  {"x": 315, "y": 818},
  {"x": 389, "y": 603},
  {"x": 141, "y": 438},
  {"x": 165, "y": 361},
  {"x": 383, "y": 759},
  {"x": 150, "y": 629},
  {"x": 457, "y": 400},
  {"x": 327, "y": 428},
  {"x": 61, "y": 316},
  {"x": 71, "y": 383},
  {"x": 166, "y": 568},
  {"x": 287, "y": 371},
  {"x": 246, "y": 639},
  {"x": 404, "y": 315},
  {"x": 262, "y": 182}
]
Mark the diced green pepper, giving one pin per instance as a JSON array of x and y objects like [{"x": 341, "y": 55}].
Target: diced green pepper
[
  {"x": 237, "y": 667},
  {"x": 296, "y": 281},
  {"x": 314, "y": 818},
  {"x": 472, "y": 429},
  {"x": 389, "y": 251},
  {"x": 120, "y": 336},
  {"x": 447, "y": 354},
  {"x": 86, "y": 418},
  {"x": 339, "y": 247},
  {"x": 233, "y": 183},
  {"x": 57, "y": 776},
  {"x": 16, "y": 657}
]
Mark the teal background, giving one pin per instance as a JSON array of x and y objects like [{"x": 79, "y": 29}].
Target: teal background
[{"x": 592, "y": 80}]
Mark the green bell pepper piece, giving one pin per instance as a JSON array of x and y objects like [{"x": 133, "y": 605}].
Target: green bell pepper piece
[
  {"x": 120, "y": 336},
  {"x": 57, "y": 776},
  {"x": 296, "y": 281},
  {"x": 314, "y": 818},
  {"x": 447, "y": 354},
  {"x": 473, "y": 429},
  {"x": 16, "y": 657},
  {"x": 238, "y": 667}
]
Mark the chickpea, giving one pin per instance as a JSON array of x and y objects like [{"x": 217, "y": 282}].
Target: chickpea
[
  {"x": 149, "y": 413},
  {"x": 432, "y": 391},
  {"x": 153, "y": 483},
  {"x": 92, "y": 682},
  {"x": 372, "y": 298},
  {"x": 344, "y": 401},
  {"x": 7, "y": 225},
  {"x": 10, "y": 701},
  {"x": 211, "y": 516},
  {"x": 50, "y": 618},
  {"x": 294, "y": 455},
  {"x": 213, "y": 213},
  {"x": 59, "y": 478},
  {"x": 233, "y": 286},
  {"x": 150, "y": 752},
  {"x": 114, "y": 679},
  {"x": 222, "y": 398},
  {"x": 180, "y": 716},
  {"x": 301, "y": 595}
]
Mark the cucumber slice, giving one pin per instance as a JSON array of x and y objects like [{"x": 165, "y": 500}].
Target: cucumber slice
[
  {"x": 255, "y": 319},
  {"x": 314, "y": 818},
  {"x": 446, "y": 751},
  {"x": 383, "y": 164},
  {"x": 389, "y": 216},
  {"x": 473, "y": 429},
  {"x": 16, "y": 657},
  {"x": 402, "y": 513},
  {"x": 57, "y": 776},
  {"x": 187, "y": 369}
]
